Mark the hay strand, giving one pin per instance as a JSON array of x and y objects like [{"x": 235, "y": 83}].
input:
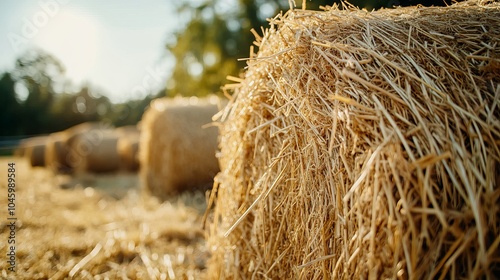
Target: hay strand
[{"x": 363, "y": 145}]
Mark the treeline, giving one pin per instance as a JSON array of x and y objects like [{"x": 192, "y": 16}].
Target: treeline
[
  {"x": 36, "y": 98},
  {"x": 217, "y": 34}
]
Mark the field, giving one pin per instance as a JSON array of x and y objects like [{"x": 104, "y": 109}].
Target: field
[{"x": 98, "y": 227}]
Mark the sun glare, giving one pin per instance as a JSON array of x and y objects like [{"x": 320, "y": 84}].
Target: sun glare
[{"x": 73, "y": 38}]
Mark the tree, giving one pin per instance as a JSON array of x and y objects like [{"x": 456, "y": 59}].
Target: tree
[
  {"x": 218, "y": 33},
  {"x": 216, "y": 36},
  {"x": 9, "y": 106},
  {"x": 39, "y": 72}
]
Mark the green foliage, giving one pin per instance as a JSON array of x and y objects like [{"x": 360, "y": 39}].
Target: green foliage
[
  {"x": 129, "y": 113},
  {"x": 218, "y": 34},
  {"x": 9, "y": 106},
  {"x": 47, "y": 107}
]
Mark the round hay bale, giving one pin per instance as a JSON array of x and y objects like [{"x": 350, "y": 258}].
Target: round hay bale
[
  {"x": 127, "y": 130},
  {"x": 61, "y": 158},
  {"x": 84, "y": 128},
  {"x": 36, "y": 154},
  {"x": 364, "y": 145},
  {"x": 20, "y": 150},
  {"x": 34, "y": 150},
  {"x": 177, "y": 152},
  {"x": 128, "y": 149},
  {"x": 56, "y": 153},
  {"x": 95, "y": 152}
]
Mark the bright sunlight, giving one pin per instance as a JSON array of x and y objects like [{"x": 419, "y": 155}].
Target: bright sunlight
[{"x": 74, "y": 37}]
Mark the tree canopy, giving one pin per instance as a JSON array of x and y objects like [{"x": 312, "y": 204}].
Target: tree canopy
[
  {"x": 35, "y": 99},
  {"x": 217, "y": 34}
]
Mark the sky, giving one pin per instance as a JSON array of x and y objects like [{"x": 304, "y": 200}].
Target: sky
[{"x": 117, "y": 46}]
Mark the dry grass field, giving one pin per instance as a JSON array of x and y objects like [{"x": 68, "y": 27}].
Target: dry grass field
[{"x": 98, "y": 227}]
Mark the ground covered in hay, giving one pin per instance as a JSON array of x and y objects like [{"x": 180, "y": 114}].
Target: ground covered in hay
[{"x": 99, "y": 228}]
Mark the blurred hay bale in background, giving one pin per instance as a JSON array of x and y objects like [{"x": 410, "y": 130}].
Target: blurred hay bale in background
[
  {"x": 85, "y": 233},
  {"x": 61, "y": 153},
  {"x": 177, "y": 152},
  {"x": 364, "y": 145},
  {"x": 75, "y": 132},
  {"x": 95, "y": 152},
  {"x": 34, "y": 150},
  {"x": 128, "y": 147},
  {"x": 56, "y": 153}
]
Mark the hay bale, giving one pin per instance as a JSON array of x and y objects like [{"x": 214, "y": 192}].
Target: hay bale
[
  {"x": 176, "y": 152},
  {"x": 128, "y": 150},
  {"x": 128, "y": 147},
  {"x": 60, "y": 155},
  {"x": 364, "y": 145},
  {"x": 35, "y": 154},
  {"x": 19, "y": 151},
  {"x": 76, "y": 131},
  {"x": 127, "y": 130},
  {"x": 95, "y": 152},
  {"x": 34, "y": 150},
  {"x": 56, "y": 153}
]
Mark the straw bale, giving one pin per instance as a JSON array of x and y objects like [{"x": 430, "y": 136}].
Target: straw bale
[
  {"x": 127, "y": 130},
  {"x": 56, "y": 153},
  {"x": 19, "y": 151},
  {"x": 76, "y": 131},
  {"x": 95, "y": 151},
  {"x": 34, "y": 150},
  {"x": 36, "y": 154},
  {"x": 61, "y": 158},
  {"x": 128, "y": 147},
  {"x": 177, "y": 151},
  {"x": 363, "y": 145}
]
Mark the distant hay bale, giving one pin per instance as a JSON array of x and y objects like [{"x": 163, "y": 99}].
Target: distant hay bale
[
  {"x": 34, "y": 150},
  {"x": 56, "y": 153},
  {"x": 177, "y": 152},
  {"x": 127, "y": 130},
  {"x": 84, "y": 128},
  {"x": 60, "y": 156},
  {"x": 19, "y": 151},
  {"x": 128, "y": 150},
  {"x": 95, "y": 152},
  {"x": 128, "y": 147},
  {"x": 36, "y": 154},
  {"x": 364, "y": 145}
]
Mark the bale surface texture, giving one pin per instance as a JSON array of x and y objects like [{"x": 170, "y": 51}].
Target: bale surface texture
[
  {"x": 364, "y": 145},
  {"x": 96, "y": 152},
  {"x": 177, "y": 150},
  {"x": 34, "y": 149},
  {"x": 128, "y": 147},
  {"x": 56, "y": 153}
]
